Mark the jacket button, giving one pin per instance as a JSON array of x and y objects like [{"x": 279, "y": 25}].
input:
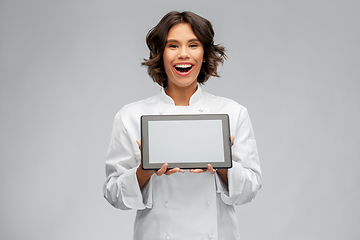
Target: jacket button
[
  {"x": 166, "y": 204},
  {"x": 208, "y": 203},
  {"x": 167, "y": 237},
  {"x": 210, "y": 236}
]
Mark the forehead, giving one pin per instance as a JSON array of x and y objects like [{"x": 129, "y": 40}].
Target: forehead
[{"x": 181, "y": 31}]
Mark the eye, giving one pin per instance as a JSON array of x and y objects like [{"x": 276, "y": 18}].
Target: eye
[
  {"x": 173, "y": 46},
  {"x": 193, "y": 45}
]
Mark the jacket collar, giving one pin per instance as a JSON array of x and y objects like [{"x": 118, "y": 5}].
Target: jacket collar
[{"x": 193, "y": 100}]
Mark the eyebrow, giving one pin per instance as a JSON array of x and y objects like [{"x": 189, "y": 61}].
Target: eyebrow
[{"x": 191, "y": 40}]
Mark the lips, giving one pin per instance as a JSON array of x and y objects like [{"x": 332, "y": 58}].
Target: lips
[{"x": 183, "y": 69}]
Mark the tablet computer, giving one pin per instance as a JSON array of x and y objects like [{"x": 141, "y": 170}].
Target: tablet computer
[{"x": 185, "y": 141}]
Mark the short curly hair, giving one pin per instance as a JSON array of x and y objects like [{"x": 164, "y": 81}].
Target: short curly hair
[{"x": 203, "y": 30}]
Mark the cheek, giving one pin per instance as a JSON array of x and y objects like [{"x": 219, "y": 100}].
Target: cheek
[
  {"x": 199, "y": 56},
  {"x": 167, "y": 63},
  {"x": 167, "y": 59}
]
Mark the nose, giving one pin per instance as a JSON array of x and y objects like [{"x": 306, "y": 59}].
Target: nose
[{"x": 183, "y": 53}]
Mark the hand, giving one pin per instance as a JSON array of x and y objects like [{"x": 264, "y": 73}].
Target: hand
[
  {"x": 210, "y": 168},
  {"x": 161, "y": 171}
]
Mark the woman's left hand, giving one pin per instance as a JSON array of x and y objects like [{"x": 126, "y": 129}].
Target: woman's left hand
[
  {"x": 210, "y": 168},
  {"x": 221, "y": 172}
]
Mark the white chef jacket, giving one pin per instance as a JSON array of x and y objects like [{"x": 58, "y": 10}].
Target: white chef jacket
[{"x": 186, "y": 205}]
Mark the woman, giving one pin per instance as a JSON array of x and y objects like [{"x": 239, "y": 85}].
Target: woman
[{"x": 174, "y": 203}]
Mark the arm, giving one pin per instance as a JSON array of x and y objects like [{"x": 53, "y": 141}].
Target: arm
[
  {"x": 244, "y": 178},
  {"x": 223, "y": 175},
  {"x": 121, "y": 187},
  {"x": 127, "y": 185}
]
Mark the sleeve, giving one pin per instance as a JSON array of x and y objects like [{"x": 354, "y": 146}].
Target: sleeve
[
  {"x": 121, "y": 187},
  {"x": 244, "y": 178}
]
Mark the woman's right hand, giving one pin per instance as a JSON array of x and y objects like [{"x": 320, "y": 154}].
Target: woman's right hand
[{"x": 144, "y": 175}]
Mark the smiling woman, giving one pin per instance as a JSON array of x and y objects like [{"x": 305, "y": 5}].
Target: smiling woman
[
  {"x": 194, "y": 204},
  {"x": 202, "y": 33},
  {"x": 183, "y": 57}
]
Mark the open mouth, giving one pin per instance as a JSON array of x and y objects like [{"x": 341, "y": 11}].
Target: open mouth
[{"x": 183, "y": 68}]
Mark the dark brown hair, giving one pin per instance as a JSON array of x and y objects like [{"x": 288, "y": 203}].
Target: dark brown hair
[{"x": 202, "y": 28}]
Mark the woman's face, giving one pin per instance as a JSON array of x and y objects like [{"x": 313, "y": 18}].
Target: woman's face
[{"x": 183, "y": 56}]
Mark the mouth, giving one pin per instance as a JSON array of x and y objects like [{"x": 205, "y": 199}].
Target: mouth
[{"x": 183, "y": 69}]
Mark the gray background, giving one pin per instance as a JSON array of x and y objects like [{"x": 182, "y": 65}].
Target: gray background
[{"x": 67, "y": 67}]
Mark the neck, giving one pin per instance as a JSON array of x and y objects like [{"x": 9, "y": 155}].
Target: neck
[{"x": 181, "y": 95}]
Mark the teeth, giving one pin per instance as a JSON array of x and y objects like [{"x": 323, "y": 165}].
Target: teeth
[{"x": 183, "y": 65}]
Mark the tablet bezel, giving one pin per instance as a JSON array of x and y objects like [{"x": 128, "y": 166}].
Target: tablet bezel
[{"x": 145, "y": 119}]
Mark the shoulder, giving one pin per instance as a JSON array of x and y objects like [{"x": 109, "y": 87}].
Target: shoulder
[
  {"x": 238, "y": 114},
  {"x": 139, "y": 106},
  {"x": 223, "y": 103},
  {"x": 130, "y": 113}
]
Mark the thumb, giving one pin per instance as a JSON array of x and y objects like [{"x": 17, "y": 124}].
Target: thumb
[
  {"x": 139, "y": 143},
  {"x": 232, "y": 140}
]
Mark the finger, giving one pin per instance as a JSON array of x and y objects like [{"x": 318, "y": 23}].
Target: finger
[
  {"x": 162, "y": 170},
  {"x": 139, "y": 143},
  {"x": 172, "y": 171},
  {"x": 232, "y": 140},
  {"x": 198, "y": 170},
  {"x": 211, "y": 169}
]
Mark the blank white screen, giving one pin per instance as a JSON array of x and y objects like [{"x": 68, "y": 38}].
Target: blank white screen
[{"x": 185, "y": 141}]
